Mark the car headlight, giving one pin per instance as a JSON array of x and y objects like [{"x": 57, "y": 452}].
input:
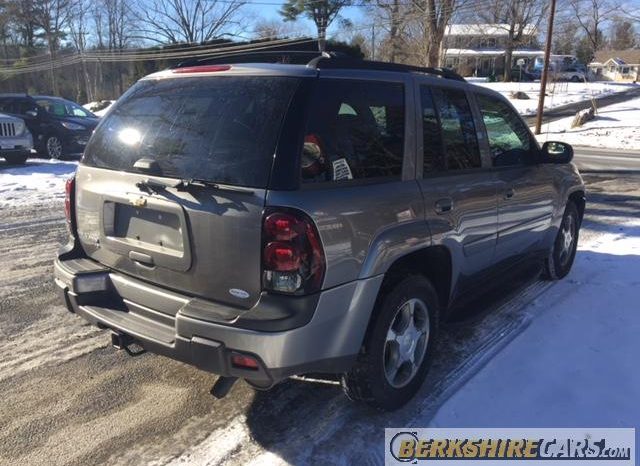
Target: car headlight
[
  {"x": 20, "y": 126},
  {"x": 72, "y": 126}
]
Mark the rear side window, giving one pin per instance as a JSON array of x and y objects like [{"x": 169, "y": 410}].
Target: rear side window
[
  {"x": 355, "y": 131},
  {"x": 458, "y": 129},
  {"x": 431, "y": 139},
  {"x": 223, "y": 129},
  {"x": 509, "y": 139}
]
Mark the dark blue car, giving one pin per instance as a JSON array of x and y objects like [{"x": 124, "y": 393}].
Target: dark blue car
[{"x": 59, "y": 126}]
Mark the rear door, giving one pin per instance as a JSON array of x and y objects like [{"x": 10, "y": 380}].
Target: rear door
[
  {"x": 459, "y": 193},
  {"x": 202, "y": 238},
  {"x": 526, "y": 192}
]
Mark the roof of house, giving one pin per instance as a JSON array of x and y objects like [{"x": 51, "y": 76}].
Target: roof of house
[
  {"x": 486, "y": 30},
  {"x": 630, "y": 56}
]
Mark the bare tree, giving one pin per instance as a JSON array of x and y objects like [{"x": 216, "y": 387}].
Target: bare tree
[
  {"x": 519, "y": 19},
  {"x": 190, "y": 21},
  {"x": 434, "y": 17},
  {"x": 623, "y": 35},
  {"x": 592, "y": 15},
  {"x": 272, "y": 29},
  {"x": 53, "y": 16},
  {"x": 321, "y": 12},
  {"x": 394, "y": 17},
  {"x": 78, "y": 30}
]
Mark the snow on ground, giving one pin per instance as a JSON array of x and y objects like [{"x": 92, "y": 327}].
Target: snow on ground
[
  {"x": 576, "y": 365},
  {"x": 614, "y": 127},
  {"x": 559, "y": 93},
  {"x": 35, "y": 182}
]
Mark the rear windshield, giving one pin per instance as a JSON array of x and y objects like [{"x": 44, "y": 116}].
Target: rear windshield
[{"x": 221, "y": 129}]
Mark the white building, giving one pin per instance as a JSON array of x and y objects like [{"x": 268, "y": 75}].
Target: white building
[{"x": 479, "y": 49}]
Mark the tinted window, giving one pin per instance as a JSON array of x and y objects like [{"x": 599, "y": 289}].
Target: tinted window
[
  {"x": 458, "y": 130},
  {"x": 63, "y": 108},
  {"x": 355, "y": 131},
  {"x": 509, "y": 139},
  {"x": 431, "y": 139},
  {"x": 221, "y": 129}
]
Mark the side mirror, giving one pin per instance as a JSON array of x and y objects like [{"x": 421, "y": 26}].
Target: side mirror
[
  {"x": 31, "y": 113},
  {"x": 557, "y": 152}
]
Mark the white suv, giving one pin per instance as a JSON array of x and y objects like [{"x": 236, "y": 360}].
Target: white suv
[
  {"x": 15, "y": 139},
  {"x": 572, "y": 74}
]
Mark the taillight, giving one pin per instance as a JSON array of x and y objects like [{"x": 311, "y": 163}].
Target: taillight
[
  {"x": 69, "y": 199},
  {"x": 293, "y": 258}
]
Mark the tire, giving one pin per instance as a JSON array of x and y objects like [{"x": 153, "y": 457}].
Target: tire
[
  {"x": 371, "y": 379},
  {"x": 560, "y": 259},
  {"x": 575, "y": 79},
  {"x": 53, "y": 147},
  {"x": 16, "y": 159}
]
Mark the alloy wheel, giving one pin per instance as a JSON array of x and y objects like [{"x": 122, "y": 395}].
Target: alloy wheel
[
  {"x": 54, "y": 147},
  {"x": 406, "y": 342}
]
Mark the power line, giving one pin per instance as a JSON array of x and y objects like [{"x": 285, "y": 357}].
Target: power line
[{"x": 191, "y": 51}]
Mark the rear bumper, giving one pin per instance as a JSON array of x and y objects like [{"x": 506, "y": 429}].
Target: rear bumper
[{"x": 194, "y": 331}]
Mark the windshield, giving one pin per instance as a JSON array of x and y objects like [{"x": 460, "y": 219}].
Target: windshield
[
  {"x": 64, "y": 108},
  {"x": 221, "y": 129}
]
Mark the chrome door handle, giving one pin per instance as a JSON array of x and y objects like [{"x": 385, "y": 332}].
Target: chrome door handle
[{"x": 444, "y": 205}]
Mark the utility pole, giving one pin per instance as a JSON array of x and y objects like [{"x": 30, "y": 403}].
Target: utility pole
[
  {"x": 373, "y": 42},
  {"x": 545, "y": 69}
]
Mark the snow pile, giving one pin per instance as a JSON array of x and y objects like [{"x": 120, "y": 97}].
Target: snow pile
[
  {"x": 36, "y": 182},
  {"x": 576, "y": 365},
  {"x": 614, "y": 127},
  {"x": 558, "y": 94},
  {"x": 99, "y": 107}
]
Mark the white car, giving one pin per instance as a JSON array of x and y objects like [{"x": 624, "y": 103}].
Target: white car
[
  {"x": 572, "y": 74},
  {"x": 16, "y": 141}
]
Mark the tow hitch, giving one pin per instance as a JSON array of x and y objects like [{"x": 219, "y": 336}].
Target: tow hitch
[{"x": 122, "y": 341}]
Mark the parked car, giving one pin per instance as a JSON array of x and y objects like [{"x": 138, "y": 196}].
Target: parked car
[
  {"x": 261, "y": 220},
  {"x": 59, "y": 127},
  {"x": 522, "y": 75},
  {"x": 572, "y": 73},
  {"x": 15, "y": 139}
]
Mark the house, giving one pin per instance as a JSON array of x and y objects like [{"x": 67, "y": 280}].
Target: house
[
  {"x": 616, "y": 65},
  {"x": 479, "y": 49}
]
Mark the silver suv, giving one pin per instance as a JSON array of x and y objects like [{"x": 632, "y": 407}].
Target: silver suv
[
  {"x": 265, "y": 220},
  {"x": 16, "y": 141}
]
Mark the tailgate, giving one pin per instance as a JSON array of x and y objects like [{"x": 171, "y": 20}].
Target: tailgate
[{"x": 204, "y": 242}]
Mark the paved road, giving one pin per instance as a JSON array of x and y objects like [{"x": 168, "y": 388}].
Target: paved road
[
  {"x": 567, "y": 110},
  {"x": 68, "y": 398},
  {"x": 589, "y": 159}
]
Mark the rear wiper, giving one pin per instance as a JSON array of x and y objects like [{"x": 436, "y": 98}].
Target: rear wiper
[
  {"x": 186, "y": 185},
  {"x": 156, "y": 187},
  {"x": 153, "y": 186}
]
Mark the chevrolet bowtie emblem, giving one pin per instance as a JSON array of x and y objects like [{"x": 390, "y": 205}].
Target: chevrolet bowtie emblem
[{"x": 139, "y": 201}]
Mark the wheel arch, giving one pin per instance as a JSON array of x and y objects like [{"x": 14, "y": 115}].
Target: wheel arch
[{"x": 579, "y": 199}]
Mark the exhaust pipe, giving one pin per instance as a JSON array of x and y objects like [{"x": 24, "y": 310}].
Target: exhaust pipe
[{"x": 222, "y": 386}]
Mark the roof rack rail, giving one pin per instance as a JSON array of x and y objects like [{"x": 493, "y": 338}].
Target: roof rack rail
[
  {"x": 328, "y": 61},
  {"x": 311, "y": 59},
  {"x": 293, "y": 57}
]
